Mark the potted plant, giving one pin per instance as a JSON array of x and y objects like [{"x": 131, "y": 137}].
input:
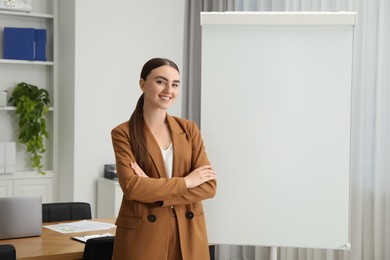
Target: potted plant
[{"x": 31, "y": 105}]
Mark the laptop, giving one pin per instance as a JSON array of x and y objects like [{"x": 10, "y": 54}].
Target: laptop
[{"x": 20, "y": 217}]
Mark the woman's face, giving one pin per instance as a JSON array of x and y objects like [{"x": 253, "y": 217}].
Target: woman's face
[{"x": 161, "y": 87}]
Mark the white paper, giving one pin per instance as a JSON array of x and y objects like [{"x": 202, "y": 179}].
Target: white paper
[{"x": 80, "y": 226}]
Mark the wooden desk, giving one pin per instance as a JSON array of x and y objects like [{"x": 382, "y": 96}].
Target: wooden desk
[{"x": 53, "y": 245}]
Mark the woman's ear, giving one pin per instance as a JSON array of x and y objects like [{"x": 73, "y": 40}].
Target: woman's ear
[{"x": 142, "y": 84}]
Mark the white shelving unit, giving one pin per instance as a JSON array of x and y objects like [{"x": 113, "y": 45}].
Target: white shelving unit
[
  {"x": 43, "y": 74},
  {"x": 25, "y": 14},
  {"x": 14, "y": 108},
  {"x": 48, "y": 63}
]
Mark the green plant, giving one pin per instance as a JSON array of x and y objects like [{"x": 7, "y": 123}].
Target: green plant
[{"x": 31, "y": 107}]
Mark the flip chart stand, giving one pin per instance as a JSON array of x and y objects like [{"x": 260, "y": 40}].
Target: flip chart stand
[{"x": 273, "y": 253}]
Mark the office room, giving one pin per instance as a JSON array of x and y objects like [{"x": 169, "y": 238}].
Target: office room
[{"x": 95, "y": 51}]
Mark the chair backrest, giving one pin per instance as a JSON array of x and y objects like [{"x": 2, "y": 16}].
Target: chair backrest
[
  {"x": 212, "y": 252},
  {"x": 7, "y": 252},
  {"x": 62, "y": 211},
  {"x": 99, "y": 248}
]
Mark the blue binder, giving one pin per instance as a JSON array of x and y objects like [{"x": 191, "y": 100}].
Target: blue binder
[
  {"x": 19, "y": 43},
  {"x": 40, "y": 44}
]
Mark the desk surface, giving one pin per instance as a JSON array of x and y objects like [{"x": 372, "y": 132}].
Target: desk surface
[{"x": 53, "y": 245}]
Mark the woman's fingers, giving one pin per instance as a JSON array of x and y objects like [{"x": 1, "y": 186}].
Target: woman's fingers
[
  {"x": 137, "y": 169},
  {"x": 199, "y": 176},
  {"x": 206, "y": 172}
]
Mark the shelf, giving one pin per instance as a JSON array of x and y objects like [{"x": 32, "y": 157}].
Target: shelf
[
  {"x": 25, "y": 14},
  {"x": 28, "y": 62},
  {"x": 10, "y": 108},
  {"x": 27, "y": 174}
]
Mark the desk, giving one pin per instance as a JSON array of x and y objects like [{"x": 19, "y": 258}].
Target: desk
[{"x": 52, "y": 245}]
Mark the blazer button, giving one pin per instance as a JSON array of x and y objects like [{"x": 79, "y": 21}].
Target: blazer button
[
  {"x": 152, "y": 218},
  {"x": 189, "y": 215}
]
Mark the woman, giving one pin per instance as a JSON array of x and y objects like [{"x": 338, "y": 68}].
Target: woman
[{"x": 164, "y": 173}]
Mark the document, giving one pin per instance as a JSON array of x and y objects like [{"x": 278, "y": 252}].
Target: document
[
  {"x": 80, "y": 226},
  {"x": 85, "y": 238}
]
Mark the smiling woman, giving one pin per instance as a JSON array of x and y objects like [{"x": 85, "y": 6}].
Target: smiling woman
[{"x": 164, "y": 173}]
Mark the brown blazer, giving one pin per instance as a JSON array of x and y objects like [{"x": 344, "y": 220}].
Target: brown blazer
[{"x": 144, "y": 218}]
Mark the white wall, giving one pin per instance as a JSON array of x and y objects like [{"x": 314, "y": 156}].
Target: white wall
[
  {"x": 110, "y": 46},
  {"x": 66, "y": 91}
]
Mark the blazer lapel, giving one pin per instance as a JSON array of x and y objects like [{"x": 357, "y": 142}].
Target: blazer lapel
[
  {"x": 180, "y": 145},
  {"x": 155, "y": 153}
]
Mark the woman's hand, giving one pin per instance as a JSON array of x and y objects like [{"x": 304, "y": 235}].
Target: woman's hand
[
  {"x": 199, "y": 176},
  {"x": 138, "y": 170}
]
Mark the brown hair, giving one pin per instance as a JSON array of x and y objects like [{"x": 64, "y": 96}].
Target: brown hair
[{"x": 137, "y": 122}]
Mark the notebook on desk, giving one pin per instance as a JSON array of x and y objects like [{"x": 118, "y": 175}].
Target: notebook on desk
[{"x": 20, "y": 217}]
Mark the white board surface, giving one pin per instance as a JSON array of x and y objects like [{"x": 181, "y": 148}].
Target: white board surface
[{"x": 275, "y": 118}]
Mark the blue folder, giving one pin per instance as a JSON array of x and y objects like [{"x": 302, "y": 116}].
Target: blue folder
[
  {"x": 19, "y": 43},
  {"x": 40, "y": 44}
]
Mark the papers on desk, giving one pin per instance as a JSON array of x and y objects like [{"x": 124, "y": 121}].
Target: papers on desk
[
  {"x": 80, "y": 226},
  {"x": 85, "y": 238}
]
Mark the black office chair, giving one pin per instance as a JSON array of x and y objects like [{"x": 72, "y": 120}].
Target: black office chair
[
  {"x": 62, "y": 211},
  {"x": 212, "y": 252},
  {"x": 7, "y": 252},
  {"x": 99, "y": 248}
]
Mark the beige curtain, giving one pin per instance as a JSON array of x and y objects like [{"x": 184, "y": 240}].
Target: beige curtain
[
  {"x": 192, "y": 53},
  {"x": 370, "y": 144}
]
